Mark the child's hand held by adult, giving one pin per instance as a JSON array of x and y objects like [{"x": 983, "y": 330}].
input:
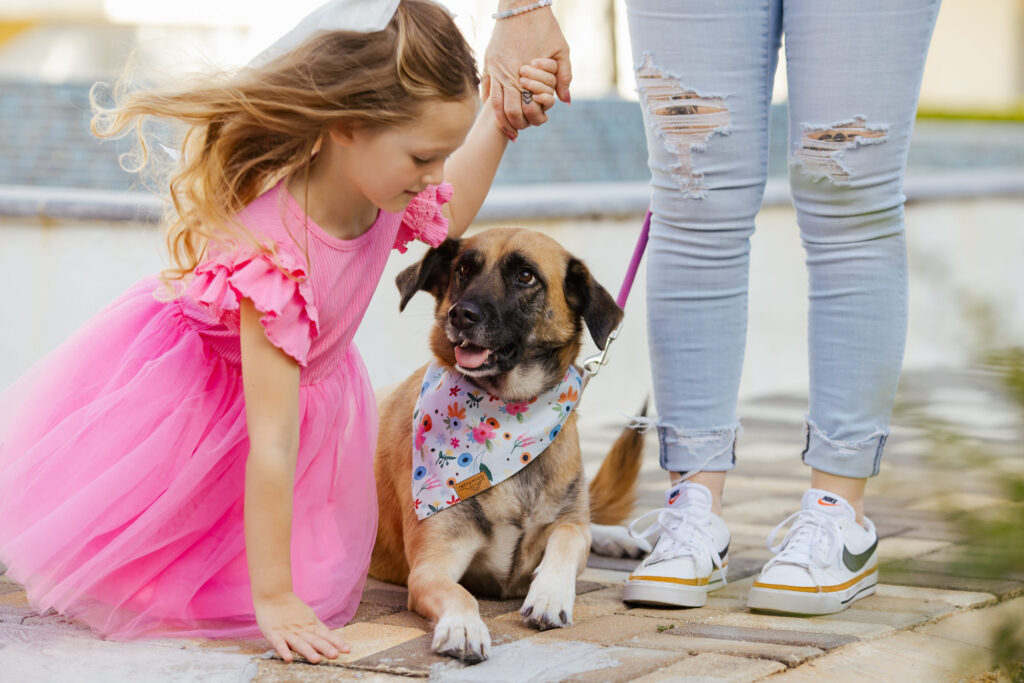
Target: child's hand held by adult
[
  {"x": 515, "y": 41},
  {"x": 538, "y": 80}
]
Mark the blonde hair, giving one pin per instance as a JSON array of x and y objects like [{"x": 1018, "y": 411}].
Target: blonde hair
[{"x": 246, "y": 131}]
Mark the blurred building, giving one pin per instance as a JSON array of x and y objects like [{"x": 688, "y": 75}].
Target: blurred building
[
  {"x": 976, "y": 61},
  {"x": 52, "y": 51}
]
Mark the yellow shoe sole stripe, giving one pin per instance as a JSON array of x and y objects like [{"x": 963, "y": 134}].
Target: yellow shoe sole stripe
[
  {"x": 817, "y": 589},
  {"x": 672, "y": 579}
]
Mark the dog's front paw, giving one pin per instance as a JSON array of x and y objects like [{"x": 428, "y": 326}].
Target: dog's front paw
[
  {"x": 616, "y": 541},
  {"x": 548, "y": 606},
  {"x": 462, "y": 637}
]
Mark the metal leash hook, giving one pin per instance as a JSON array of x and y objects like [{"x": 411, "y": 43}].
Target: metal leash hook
[{"x": 592, "y": 365}]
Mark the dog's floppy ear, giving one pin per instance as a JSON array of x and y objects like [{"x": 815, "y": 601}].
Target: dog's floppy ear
[
  {"x": 431, "y": 274},
  {"x": 591, "y": 301}
]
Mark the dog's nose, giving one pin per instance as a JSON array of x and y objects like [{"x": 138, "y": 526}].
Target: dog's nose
[{"x": 464, "y": 315}]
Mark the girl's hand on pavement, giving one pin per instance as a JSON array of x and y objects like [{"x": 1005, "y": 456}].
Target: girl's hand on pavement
[{"x": 290, "y": 625}]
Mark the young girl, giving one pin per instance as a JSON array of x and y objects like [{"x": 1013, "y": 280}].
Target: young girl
[{"x": 202, "y": 465}]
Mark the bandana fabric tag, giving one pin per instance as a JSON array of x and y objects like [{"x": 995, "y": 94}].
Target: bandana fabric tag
[{"x": 466, "y": 441}]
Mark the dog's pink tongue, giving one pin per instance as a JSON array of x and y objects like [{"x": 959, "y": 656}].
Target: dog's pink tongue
[{"x": 470, "y": 358}]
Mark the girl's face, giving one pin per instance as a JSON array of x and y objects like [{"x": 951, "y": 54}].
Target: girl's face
[{"x": 389, "y": 166}]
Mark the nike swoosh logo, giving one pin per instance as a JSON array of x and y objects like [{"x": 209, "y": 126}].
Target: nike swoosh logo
[
  {"x": 723, "y": 553},
  {"x": 856, "y": 562}
]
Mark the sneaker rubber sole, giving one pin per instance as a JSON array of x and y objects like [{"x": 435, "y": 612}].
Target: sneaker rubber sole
[
  {"x": 669, "y": 591},
  {"x": 811, "y": 600}
]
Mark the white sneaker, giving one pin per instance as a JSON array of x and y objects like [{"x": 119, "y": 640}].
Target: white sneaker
[
  {"x": 690, "y": 556},
  {"x": 825, "y": 562}
]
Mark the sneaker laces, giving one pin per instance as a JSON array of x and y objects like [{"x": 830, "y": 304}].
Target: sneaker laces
[
  {"x": 812, "y": 542},
  {"x": 681, "y": 533}
]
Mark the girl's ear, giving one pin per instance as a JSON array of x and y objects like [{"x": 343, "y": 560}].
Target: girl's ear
[{"x": 341, "y": 132}]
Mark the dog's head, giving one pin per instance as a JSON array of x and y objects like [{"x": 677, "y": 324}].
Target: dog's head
[{"x": 511, "y": 304}]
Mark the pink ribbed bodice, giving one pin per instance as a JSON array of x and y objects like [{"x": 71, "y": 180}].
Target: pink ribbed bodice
[{"x": 341, "y": 276}]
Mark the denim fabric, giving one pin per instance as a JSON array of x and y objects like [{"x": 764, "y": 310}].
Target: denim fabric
[{"x": 705, "y": 71}]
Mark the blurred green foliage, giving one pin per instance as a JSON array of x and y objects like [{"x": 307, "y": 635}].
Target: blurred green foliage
[{"x": 993, "y": 538}]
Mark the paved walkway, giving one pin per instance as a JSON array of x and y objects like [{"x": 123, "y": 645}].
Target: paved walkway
[{"x": 955, "y": 437}]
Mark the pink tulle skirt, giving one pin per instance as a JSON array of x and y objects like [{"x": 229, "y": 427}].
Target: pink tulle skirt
[{"x": 122, "y": 465}]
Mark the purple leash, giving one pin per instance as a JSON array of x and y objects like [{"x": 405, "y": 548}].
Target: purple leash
[
  {"x": 634, "y": 263},
  {"x": 592, "y": 365}
]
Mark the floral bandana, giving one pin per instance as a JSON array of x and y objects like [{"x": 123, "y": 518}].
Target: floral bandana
[{"x": 465, "y": 440}]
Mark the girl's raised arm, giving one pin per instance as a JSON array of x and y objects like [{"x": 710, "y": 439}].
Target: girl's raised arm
[
  {"x": 270, "y": 381},
  {"x": 472, "y": 167}
]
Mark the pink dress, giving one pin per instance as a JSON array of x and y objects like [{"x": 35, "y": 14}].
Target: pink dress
[{"x": 122, "y": 453}]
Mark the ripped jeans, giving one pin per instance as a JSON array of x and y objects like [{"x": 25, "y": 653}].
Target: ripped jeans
[{"x": 705, "y": 70}]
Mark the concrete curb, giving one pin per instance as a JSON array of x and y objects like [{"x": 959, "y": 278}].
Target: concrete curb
[{"x": 505, "y": 202}]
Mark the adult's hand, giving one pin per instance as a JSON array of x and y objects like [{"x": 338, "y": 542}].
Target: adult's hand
[{"x": 516, "y": 41}]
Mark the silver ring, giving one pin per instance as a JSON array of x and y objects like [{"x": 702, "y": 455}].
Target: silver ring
[{"x": 527, "y": 97}]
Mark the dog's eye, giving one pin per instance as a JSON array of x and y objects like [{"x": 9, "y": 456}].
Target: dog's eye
[
  {"x": 525, "y": 277},
  {"x": 462, "y": 272}
]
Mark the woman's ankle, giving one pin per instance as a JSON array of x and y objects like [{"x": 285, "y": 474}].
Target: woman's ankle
[
  {"x": 852, "y": 490},
  {"x": 714, "y": 481}
]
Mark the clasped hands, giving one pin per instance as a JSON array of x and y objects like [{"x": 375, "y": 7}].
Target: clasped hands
[{"x": 526, "y": 58}]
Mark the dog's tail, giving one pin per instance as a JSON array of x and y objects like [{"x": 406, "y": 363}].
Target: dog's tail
[{"x": 613, "y": 489}]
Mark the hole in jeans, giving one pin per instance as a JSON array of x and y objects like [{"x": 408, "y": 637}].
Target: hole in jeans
[
  {"x": 822, "y": 149},
  {"x": 685, "y": 121}
]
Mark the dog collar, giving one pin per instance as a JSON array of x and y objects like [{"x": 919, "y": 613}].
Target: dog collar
[{"x": 466, "y": 441}]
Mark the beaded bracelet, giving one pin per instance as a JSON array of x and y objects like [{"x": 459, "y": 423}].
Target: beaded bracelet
[{"x": 519, "y": 10}]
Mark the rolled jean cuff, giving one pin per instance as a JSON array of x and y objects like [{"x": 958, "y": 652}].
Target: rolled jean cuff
[
  {"x": 706, "y": 450},
  {"x": 854, "y": 459}
]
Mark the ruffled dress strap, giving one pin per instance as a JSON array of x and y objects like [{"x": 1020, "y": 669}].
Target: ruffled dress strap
[
  {"x": 278, "y": 285},
  {"x": 423, "y": 219}
]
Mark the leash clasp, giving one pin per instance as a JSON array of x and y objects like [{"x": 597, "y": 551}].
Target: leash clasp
[{"x": 592, "y": 365}]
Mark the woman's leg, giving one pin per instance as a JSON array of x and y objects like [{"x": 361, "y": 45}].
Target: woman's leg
[
  {"x": 854, "y": 75},
  {"x": 853, "y": 98},
  {"x": 704, "y": 71}
]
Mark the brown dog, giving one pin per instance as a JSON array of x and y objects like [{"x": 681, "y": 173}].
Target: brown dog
[{"x": 509, "y": 315}]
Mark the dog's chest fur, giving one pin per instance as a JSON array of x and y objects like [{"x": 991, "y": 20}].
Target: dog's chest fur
[{"x": 518, "y": 516}]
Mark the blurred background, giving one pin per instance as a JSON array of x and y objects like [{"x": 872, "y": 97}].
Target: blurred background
[{"x": 75, "y": 229}]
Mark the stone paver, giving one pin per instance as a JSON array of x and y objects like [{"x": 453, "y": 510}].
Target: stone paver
[
  {"x": 367, "y": 639},
  {"x": 926, "y": 595},
  {"x": 903, "y": 548},
  {"x": 616, "y": 629},
  {"x": 706, "y": 668},
  {"x": 762, "y": 635},
  {"x": 977, "y": 627},
  {"x": 275, "y": 671},
  {"x": 929, "y": 575},
  {"x": 786, "y": 655},
  {"x": 8, "y": 586},
  {"x": 906, "y": 656},
  {"x": 14, "y": 600},
  {"x": 543, "y": 662},
  {"x": 813, "y": 624},
  {"x": 411, "y": 658},
  {"x": 630, "y": 664}
]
